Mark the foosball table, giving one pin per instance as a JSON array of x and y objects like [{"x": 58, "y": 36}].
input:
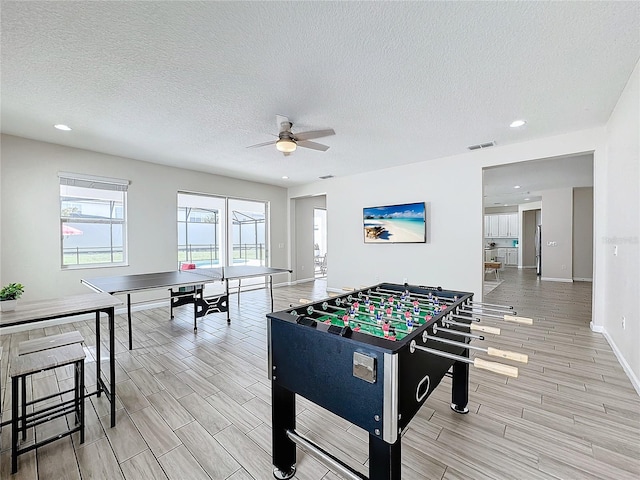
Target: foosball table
[{"x": 373, "y": 356}]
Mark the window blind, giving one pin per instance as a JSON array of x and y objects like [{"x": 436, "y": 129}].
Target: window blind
[{"x": 91, "y": 181}]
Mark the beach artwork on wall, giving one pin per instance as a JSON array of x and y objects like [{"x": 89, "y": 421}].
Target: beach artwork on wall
[{"x": 405, "y": 223}]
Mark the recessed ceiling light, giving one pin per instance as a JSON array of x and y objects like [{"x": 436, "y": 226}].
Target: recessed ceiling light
[
  {"x": 61, "y": 126},
  {"x": 516, "y": 186},
  {"x": 527, "y": 199},
  {"x": 517, "y": 123},
  {"x": 506, "y": 204},
  {"x": 284, "y": 177}
]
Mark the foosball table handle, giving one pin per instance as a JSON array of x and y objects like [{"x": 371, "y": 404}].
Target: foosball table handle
[
  {"x": 523, "y": 320},
  {"x": 518, "y": 357},
  {"x": 485, "y": 329},
  {"x": 495, "y": 367}
]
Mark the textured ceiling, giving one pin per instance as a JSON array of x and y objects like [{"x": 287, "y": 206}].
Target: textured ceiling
[{"x": 192, "y": 84}]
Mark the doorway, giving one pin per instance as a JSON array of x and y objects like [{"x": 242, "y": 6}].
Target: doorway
[
  {"x": 320, "y": 242},
  {"x": 555, "y": 191}
]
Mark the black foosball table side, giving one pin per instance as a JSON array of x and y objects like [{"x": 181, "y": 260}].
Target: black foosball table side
[{"x": 376, "y": 384}]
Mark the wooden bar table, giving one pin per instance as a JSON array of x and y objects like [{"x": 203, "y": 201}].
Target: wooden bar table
[{"x": 41, "y": 310}]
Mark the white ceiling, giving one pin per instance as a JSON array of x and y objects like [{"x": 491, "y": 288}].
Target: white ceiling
[{"x": 192, "y": 84}]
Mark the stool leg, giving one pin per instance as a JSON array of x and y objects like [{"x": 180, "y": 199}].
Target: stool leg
[
  {"x": 76, "y": 391},
  {"x": 24, "y": 408},
  {"x": 81, "y": 400},
  {"x": 14, "y": 424}
]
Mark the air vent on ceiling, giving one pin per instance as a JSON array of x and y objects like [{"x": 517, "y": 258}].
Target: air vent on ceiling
[
  {"x": 324, "y": 177},
  {"x": 481, "y": 145}
]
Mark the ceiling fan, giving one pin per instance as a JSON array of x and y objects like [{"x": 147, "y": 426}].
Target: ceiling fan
[{"x": 288, "y": 141}]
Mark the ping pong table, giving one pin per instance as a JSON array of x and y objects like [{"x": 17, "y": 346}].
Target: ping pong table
[{"x": 189, "y": 285}]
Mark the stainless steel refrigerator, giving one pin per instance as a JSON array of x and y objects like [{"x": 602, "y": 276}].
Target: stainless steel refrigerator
[{"x": 538, "y": 244}]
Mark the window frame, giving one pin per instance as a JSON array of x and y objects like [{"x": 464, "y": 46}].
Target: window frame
[
  {"x": 225, "y": 249},
  {"x": 96, "y": 184}
]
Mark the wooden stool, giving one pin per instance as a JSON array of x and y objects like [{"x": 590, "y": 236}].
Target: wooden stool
[{"x": 28, "y": 364}]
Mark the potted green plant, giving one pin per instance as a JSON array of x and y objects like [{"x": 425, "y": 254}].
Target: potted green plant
[{"x": 9, "y": 296}]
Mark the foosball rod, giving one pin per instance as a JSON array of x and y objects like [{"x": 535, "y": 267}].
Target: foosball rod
[
  {"x": 473, "y": 326},
  {"x": 419, "y": 295},
  {"x": 489, "y": 309},
  {"x": 311, "y": 310},
  {"x": 349, "y": 303},
  {"x": 492, "y": 352},
  {"x": 507, "y": 307},
  {"x": 506, "y": 318},
  {"x": 457, "y": 332},
  {"x": 495, "y": 367},
  {"x": 384, "y": 317},
  {"x": 462, "y": 317},
  {"x": 405, "y": 302}
]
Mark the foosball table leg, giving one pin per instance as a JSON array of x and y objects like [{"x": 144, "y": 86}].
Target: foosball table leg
[
  {"x": 385, "y": 460},
  {"x": 460, "y": 386},
  {"x": 283, "y": 407}
]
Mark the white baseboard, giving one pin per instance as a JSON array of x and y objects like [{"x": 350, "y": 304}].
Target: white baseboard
[
  {"x": 596, "y": 328},
  {"x": 578, "y": 279},
  {"x": 552, "y": 279},
  {"x": 623, "y": 363}
]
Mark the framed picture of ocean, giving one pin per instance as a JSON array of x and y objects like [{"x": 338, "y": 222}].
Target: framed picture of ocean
[{"x": 404, "y": 223}]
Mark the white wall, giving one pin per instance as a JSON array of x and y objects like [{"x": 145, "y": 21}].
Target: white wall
[
  {"x": 617, "y": 214},
  {"x": 557, "y": 234},
  {"x": 583, "y": 233},
  {"x": 30, "y": 214}
]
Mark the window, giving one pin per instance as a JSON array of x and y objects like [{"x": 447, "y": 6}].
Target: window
[
  {"x": 218, "y": 231},
  {"x": 93, "y": 222},
  {"x": 199, "y": 230}
]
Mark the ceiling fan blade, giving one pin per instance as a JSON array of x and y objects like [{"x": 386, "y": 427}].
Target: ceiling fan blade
[
  {"x": 314, "y": 134},
  {"x": 262, "y": 144},
  {"x": 280, "y": 119},
  {"x": 312, "y": 145}
]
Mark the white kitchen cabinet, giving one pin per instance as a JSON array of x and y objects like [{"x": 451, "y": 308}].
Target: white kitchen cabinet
[
  {"x": 493, "y": 226},
  {"x": 501, "y": 255},
  {"x": 512, "y": 256},
  {"x": 503, "y": 225},
  {"x": 513, "y": 225}
]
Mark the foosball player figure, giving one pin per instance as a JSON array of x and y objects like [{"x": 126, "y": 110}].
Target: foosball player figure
[
  {"x": 409, "y": 321},
  {"x": 385, "y": 328},
  {"x": 345, "y": 319}
]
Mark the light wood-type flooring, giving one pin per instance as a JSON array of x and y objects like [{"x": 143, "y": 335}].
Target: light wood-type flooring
[{"x": 197, "y": 406}]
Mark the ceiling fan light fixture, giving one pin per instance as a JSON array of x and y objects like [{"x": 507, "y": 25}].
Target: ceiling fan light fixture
[{"x": 286, "y": 145}]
